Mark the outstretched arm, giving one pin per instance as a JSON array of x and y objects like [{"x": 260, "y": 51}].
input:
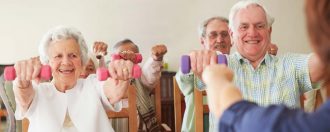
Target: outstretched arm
[
  {"x": 116, "y": 86},
  {"x": 152, "y": 68},
  {"x": 235, "y": 114},
  {"x": 26, "y": 71}
]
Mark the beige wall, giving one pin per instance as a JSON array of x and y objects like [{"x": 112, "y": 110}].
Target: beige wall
[{"x": 146, "y": 22}]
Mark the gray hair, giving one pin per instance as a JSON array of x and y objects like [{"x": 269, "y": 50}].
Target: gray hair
[
  {"x": 243, "y": 5},
  {"x": 62, "y": 33},
  {"x": 123, "y": 42},
  {"x": 202, "y": 27}
]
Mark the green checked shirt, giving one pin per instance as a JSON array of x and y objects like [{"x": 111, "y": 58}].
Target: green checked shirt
[{"x": 276, "y": 80}]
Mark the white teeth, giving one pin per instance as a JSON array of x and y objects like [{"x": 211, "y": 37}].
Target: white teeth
[
  {"x": 252, "y": 42},
  {"x": 66, "y": 71}
]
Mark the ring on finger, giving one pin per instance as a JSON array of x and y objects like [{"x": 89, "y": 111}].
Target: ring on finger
[{"x": 125, "y": 70}]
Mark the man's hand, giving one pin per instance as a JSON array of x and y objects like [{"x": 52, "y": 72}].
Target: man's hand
[
  {"x": 199, "y": 59},
  {"x": 100, "y": 49},
  {"x": 272, "y": 49},
  {"x": 128, "y": 55},
  {"x": 158, "y": 52}
]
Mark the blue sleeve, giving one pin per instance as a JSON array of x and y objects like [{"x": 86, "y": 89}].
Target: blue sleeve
[{"x": 245, "y": 116}]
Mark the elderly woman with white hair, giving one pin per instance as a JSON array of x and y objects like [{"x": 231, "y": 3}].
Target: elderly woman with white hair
[{"x": 67, "y": 103}]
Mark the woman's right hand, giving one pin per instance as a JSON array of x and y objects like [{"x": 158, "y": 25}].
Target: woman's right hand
[{"x": 26, "y": 71}]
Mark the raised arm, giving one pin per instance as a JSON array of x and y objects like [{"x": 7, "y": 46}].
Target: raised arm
[
  {"x": 237, "y": 115},
  {"x": 26, "y": 71},
  {"x": 116, "y": 86},
  {"x": 153, "y": 66}
]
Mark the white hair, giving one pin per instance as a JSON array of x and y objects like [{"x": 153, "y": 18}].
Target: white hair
[
  {"x": 93, "y": 58},
  {"x": 243, "y": 4},
  {"x": 202, "y": 26},
  {"x": 62, "y": 33}
]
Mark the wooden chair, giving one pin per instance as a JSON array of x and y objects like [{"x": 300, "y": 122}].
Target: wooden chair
[
  {"x": 158, "y": 105},
  {"x": 25, "y": 125},
  {"x": 200, "y": 110},
  {"x": 178, "y": 99},
  {"x": 130, "y": 112}
]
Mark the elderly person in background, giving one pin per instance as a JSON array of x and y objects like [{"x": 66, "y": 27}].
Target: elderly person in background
[
  {"x": 237, "y": 115},
  {"x": 96, "y": 59},
  {"x": 151, "y": 72},
  {"x": 67, "y": 103},
  {"x": 214, "y": 35}
]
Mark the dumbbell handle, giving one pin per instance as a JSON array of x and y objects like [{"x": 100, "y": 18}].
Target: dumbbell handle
[
  {"x": 185, "y": 62},
  {"x": 103, "y": 73},
  {"x": 10, "y": 73},
  {"x": 137, "y": 59}
]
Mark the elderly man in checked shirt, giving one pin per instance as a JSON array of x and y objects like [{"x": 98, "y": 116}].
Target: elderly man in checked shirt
[{"x": 261, "y": 77}]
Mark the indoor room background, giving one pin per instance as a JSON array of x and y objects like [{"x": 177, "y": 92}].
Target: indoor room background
[{"x": 146, "y": 22}]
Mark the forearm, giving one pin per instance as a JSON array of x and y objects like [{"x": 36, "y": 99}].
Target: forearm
[
  {"x": 151, "y": 73},
  {"x": 185, "y": 82},
  {"x": 245, "y": 116},
  {"x": 116, "y": 92},
  {"x": 23, "y": 96}
]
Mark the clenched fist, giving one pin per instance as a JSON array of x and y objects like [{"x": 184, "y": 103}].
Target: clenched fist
[
  {"x": 100, "y": 48},
  {"x": 158, "y": 52}
]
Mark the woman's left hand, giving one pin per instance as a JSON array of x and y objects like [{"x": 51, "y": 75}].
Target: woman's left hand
[
  {"x": 121, "y": 69},
  {"x": 116, "y": 86}
]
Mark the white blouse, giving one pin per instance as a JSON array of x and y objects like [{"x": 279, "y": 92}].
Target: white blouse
[{"x": 86, "y": 105}]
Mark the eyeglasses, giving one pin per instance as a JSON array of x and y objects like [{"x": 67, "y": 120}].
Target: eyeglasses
[{"x": 214, "y": 35}]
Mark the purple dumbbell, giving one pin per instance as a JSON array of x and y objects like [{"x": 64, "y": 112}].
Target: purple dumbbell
[
  {"x": 10, "y": 73},
  {"x": 185, "y": 62}
]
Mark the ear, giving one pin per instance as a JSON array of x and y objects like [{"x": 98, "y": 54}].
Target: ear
[
  {"x": 231, "y": 35},
  {"x": 202, "y": 41}
]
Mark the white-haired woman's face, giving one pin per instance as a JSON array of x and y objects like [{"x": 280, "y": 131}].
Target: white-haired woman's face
[{"x": 65, "y": 61}]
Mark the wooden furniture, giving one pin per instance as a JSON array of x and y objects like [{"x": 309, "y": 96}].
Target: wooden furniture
[
  {"x": 166, "y": 84},
  {"x": 130, "y": 112},
  {"x": 158, "y": 105},
  {"x": 25, "y": 125},
  {"x": 178, "y": 110},
  {"x": 200, "y": 109}
]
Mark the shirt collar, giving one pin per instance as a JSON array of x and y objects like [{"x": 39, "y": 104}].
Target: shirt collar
[{"x": 266, "y": 60}]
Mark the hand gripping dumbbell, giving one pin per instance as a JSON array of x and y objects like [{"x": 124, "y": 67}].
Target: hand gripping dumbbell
[
  {"x": 103, "y": 73},
  {"x": 137, "y": 59},
  {"x": 10, "y": 73},
  {"x": 185, "y": 62}
]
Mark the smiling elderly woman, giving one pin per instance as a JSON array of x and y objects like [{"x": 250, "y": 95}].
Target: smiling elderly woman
[{"x": 67, "y": 103}]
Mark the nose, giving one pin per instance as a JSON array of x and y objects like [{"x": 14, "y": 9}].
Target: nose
[
  {"x": 252, "y": 31},
  {"x": 219, "y": 38},
  {"x": 66, "y": 60}
]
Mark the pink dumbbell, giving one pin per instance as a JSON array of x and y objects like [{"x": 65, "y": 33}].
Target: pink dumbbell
[
  {"x": 10, "y": 73},
  {"x": 138, "y": 58},
  {"x": 103, "y": 73}
]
